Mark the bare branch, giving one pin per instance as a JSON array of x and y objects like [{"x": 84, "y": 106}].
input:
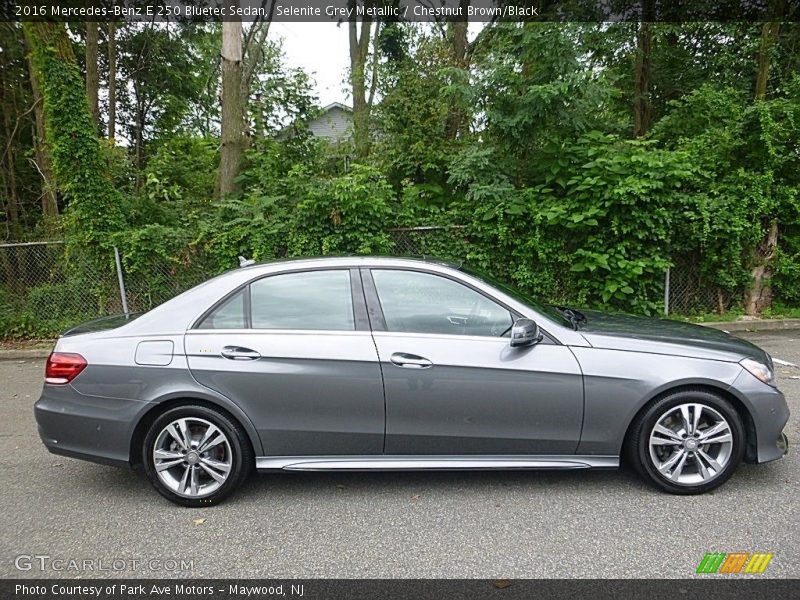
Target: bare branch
[
  {"x": 483, "y": 33},
  {"x": 438, "y": 21},
  {"x": 373, "y": 84},
  {"x": 16, "y": 126},
  {"x": 252, "y": 58}
]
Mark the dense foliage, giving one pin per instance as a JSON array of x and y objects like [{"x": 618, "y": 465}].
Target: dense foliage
[{"x": 522, "y": 143}]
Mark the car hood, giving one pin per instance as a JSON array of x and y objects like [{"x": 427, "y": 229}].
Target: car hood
[{"x": 662, "y": 336}]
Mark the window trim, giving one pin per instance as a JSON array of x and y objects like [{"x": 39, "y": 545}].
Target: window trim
[
  {"x": 360, "y": 313},
  {"x": 227, "y": 298},
  {"x": 378, "y": 320},
  {"x": 357, "y": 301},
  {"x": 248, "y": 308},
  {"x": 374, "y": 309}
]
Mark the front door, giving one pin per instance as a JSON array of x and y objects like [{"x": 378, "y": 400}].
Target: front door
[
  {"x": 453, "y": 384},
  {"x": 293, "y": 351}
]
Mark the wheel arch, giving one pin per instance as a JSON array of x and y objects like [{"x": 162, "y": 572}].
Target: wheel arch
[
  {"x": 166, "y": 403},
  {"x": 751, "y": 445}
]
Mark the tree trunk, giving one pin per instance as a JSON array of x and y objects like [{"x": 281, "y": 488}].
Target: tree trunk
[
  {"x": 759, "y": 295},
  {"x": 644, "y": 48},
  {"x": 232, "y": 134},
  {"x": 457, "y": 30},
  {"x": 12, "y": 200},
  {"x": 112, "y": 80},
  {"x": 92, "y": 75},
  {"x": 641, "y": 97},
  {"x": 138, "y": 136},
  {"x": 359, "y": 49},
  {"x": 769, "y": 37},
  {"x": 49, "y": 198},
  {"x": 8, "y": 107},
  {"x": 672, "y": 89}
]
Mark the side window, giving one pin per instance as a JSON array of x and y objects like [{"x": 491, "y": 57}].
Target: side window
[
  {"x": 312, "y": 300},
  {"x": 416, "y": 302},
  {"x": 228, "y": 316}
]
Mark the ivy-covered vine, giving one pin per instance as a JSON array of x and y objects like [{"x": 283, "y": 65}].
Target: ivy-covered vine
[{"x": 94, "y": 212}]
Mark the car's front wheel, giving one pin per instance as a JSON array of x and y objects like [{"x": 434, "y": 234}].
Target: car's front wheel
[
  {"x": 687, "y": 442},
  {"x": 196, "y": 456}
]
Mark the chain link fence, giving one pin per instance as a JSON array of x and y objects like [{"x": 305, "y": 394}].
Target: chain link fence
[
  {"x": 42, "y": 294},
  {"x": 688, "y": 291},
  {"x": 162, "y": 279},
  {"x": 448, "y": 243}
]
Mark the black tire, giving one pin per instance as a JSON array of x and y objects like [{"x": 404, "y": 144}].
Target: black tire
[
  {"x": 638, "y": 444},
  {"x": 241, "y": 454}
]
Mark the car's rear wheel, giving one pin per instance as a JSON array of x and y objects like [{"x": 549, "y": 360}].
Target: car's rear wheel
[
  {"x": 687, "y": 442},
  {"x": 196, "y": 456}
]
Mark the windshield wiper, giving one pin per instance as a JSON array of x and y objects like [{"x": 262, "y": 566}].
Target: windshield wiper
[{"x": 576, "y": 317}]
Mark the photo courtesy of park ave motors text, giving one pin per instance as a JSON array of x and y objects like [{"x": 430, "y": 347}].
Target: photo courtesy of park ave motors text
[{"x": 390, "y": 298}]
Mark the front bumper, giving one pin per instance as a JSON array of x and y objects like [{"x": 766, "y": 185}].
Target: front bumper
[
  {"x": 783, "y": 443},
  {"x": 770, "y": 413},
  {"x": 86, "y": 427}
]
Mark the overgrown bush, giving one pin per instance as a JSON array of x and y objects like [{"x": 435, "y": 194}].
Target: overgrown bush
[
  {"x": 304, "y": 216},
  {"x": 49, "y": 309},
  {"x": 348, "y": 214},
  {"x": 786, "y": 277},
  {"x": 161, "y": 262}
]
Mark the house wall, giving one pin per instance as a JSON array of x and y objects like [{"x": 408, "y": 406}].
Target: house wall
[{"x": 334, "y": 125}]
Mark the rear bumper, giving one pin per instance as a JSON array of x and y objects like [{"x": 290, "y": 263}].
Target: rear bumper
[
  {"x": 86, "y": 427},
  {"x": 95, "y": 458}
]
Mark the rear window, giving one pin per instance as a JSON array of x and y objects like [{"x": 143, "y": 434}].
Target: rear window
[
  {"x": 309, "y": 300},
  {"x": 319, "y": 300},
  {"x": 230, "y": 315}
]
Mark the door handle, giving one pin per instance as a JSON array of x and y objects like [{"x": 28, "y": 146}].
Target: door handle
[
  {"x": 454, "y": 320},
  {"x": 238, "y": 353},
  {"x": 411, "y": 361}
]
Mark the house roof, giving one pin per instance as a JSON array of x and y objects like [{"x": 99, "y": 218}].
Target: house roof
[{"x": 333, "y": 105}]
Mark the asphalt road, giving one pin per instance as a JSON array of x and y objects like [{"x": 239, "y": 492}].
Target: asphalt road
[{"x": 421, "y": 525}]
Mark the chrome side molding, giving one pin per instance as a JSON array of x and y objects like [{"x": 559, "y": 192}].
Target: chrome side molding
[{"x": 433, "y": 463}]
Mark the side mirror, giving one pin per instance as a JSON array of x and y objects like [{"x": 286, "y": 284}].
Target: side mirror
[{"x": 525, "y": 332}]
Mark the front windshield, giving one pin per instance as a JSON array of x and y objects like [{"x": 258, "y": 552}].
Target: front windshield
[{"x": 549, "y": 311}]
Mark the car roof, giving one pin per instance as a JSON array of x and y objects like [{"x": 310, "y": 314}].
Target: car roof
[
  {"x": 182, "y": 310},
  {"x": 354, "y": 261}
]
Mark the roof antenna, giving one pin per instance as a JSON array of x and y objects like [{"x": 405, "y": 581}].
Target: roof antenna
[{"x": 246, "y": 262}]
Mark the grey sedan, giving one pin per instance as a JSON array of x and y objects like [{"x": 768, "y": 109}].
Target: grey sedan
[{"x": 355, "y": 364}]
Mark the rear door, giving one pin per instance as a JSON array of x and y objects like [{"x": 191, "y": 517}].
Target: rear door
[
  {"x": 295, "y": 352},
  {"x": 454, "y": 385}
]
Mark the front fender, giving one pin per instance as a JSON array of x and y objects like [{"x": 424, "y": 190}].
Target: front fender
[{"x": 618, "y": 383}]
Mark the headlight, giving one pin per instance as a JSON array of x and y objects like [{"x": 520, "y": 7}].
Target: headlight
[{"x": 759, "y": 371}]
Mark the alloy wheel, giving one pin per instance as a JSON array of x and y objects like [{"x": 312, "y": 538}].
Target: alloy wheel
[
  {"x": 691, "y": 444},
  {"x": 192, "y": 457}
]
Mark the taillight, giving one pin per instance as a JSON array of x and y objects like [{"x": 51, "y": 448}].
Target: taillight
[{"x": 63, "y": 367}]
